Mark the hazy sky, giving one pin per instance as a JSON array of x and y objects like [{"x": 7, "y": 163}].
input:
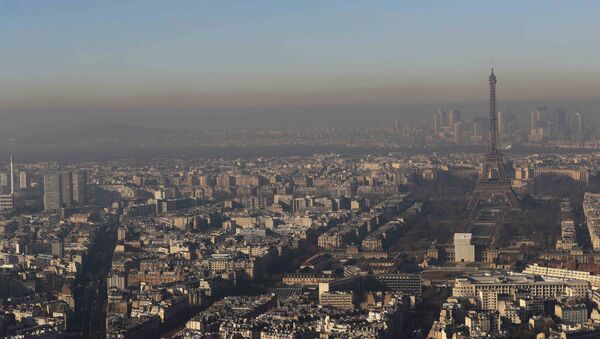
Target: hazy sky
[{"x": 109, "y": 59}]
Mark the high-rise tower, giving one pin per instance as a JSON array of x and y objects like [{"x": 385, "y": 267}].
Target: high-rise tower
[
  {"x": 493, "y": 180},
  {"x": 12, "y": 176},
  {"x": 66, "y": 188},
  {"x": 578, "y": 127},
  {"x": 52, "y": 192},
  {"x": 453, "y": 117},
  {"x": 79, "y": 185}
]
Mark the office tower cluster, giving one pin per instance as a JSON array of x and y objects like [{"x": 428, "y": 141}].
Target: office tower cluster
[
  {"x": 17, "y": 189},
  {"x": 541, "y": 126},
  {"x": 507, "y": 124},
  {"x": 557, "y": 125},
  {"x": 64, "y": 189},
  {"x": 28, "y": 188},
  {"x": 448, "y": 124}
]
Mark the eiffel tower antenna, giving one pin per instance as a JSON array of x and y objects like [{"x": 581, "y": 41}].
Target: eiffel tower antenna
[{"x": 493, "y": 180}]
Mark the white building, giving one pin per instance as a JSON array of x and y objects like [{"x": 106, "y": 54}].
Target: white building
[
  {"x": 563, "y": 273},
  {"x": 486, "y": 287},
  {"x": 464, "y": 251}
]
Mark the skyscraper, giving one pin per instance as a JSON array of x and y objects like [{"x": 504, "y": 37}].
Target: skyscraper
[
  {"x": 506, "y": 123},
  {"x": 537, "y": 117},
  {"x": 4, "y": 188},
  {"x": 66, "y": 187},
  {"x": 561, "y": 127},
  {"x": 79, "y": 187},
  {"x": 52, "y": 192},
  {"x": 477, "y": 128},
  {"x": 458, "y": 132},
  {"x": 501, "y": 123},
  {"x": 578, "y": 127},
  {"x": 437, "y": 123},
  {"x": 12, "y": 176},
  {"x": 23, "y": 180},
  {"x": 443, "y": 118},
  {"x": 453, "y": 117}
]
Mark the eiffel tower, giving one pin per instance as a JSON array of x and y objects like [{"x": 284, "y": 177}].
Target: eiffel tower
[{"x": 493, "y": 181}]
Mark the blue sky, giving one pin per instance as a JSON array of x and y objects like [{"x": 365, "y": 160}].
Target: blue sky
[{"x": 130, "y": 55}]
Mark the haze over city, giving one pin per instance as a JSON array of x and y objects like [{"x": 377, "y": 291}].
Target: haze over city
[{"x": 273, "y": 64}]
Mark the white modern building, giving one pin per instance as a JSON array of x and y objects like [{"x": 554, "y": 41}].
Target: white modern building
[
  {"x": 464, "y": 251},
  {"x": 486, "y": 287}
]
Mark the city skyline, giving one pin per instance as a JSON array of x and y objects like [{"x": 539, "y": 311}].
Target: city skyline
[{"x": 200, "y": 63}]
